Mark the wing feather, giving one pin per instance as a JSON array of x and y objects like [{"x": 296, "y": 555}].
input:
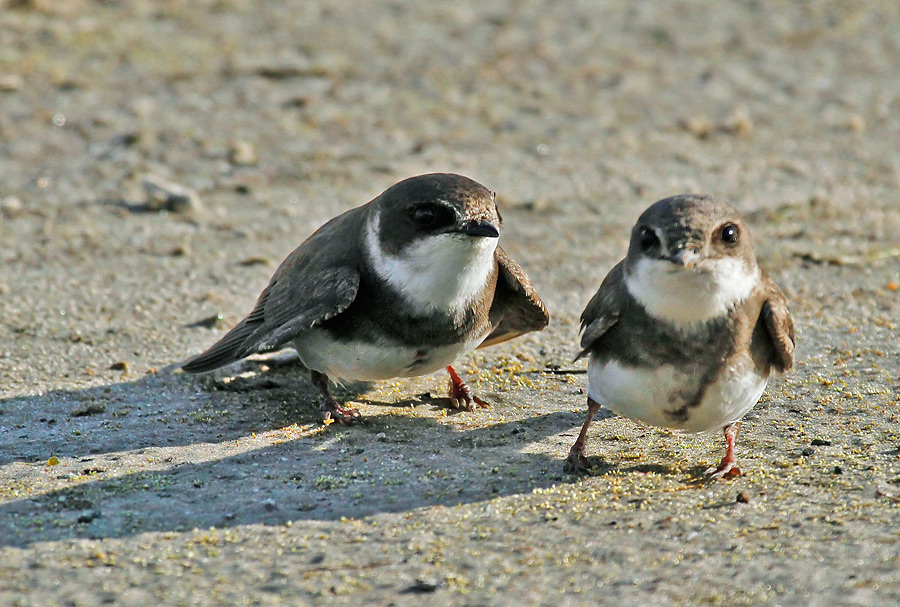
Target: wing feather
[
  {"x": 520, "y": 308},
  {"x": 318, "y": 281},
  {"x": 602, "y": 311}
]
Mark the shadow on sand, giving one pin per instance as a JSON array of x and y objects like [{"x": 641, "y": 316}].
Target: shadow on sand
[{"x": 169, "y": 453}]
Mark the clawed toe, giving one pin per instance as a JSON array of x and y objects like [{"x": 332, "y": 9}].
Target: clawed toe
[
  {"x": 723, "y": 471},
  {"x": 728, "y": 467},
  {"x": 462, "y": 398},
  {"x": 576, "y": 462},
  {"x": 461, "y": 394},
  {"x": 342, "y": 415}
]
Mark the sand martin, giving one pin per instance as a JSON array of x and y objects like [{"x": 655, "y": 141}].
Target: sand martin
[
  {"x": 398, "y": 287},
  {"x": 685, "y": 331}
]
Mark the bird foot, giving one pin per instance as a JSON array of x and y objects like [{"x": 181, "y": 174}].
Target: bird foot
[
  {"x": 336, "y": 412},
  {"x": 726, "y": 469},
  {"x": 576, "y": 462},
  {"x": 461, "y": 394},
  {"x": 333, "y": 411}
]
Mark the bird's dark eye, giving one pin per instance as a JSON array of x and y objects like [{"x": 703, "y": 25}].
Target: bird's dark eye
[
  {"x": 648, "y": 239},
  {"x": 730, "y": 233},
  {"x": 432, "y": 216}
]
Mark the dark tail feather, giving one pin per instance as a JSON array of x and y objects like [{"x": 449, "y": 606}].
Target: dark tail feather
[{"x": 230, "y": 348}]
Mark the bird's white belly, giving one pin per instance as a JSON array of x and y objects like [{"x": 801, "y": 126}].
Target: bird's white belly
[
  {"x": 363, "y": 361},
  {"x": 644, "y": 394}
]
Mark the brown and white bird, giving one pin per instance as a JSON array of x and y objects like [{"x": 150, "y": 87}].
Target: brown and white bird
[
  {"x": 398, "y": 287},
  {"x": 685, "y": 331}
]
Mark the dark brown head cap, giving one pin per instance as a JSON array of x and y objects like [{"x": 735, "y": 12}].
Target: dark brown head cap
[
  {"x": 691, "y": 227},
  {"x": 435, "y": 203}
]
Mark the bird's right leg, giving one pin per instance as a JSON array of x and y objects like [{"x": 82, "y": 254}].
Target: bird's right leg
[
  {"x": 728, "y": 467},
  {"x": 333, "y": 410},
  {"x": 577, "y": 462}
]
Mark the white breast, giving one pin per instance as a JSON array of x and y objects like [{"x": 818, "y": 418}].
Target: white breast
[
  {"x": 686, "y": 296},
  {"x": 643, "y": 394},
  {"x": 443, "y": 272},
  {"x": 361, "y": 361}
]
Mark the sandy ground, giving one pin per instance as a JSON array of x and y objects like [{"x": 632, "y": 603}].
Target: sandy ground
[{"x": 122, "y": 484}]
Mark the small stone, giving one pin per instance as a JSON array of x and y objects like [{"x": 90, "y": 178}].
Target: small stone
[
  {"x": 808, "y": 451},
  {"x": 424, "y": 585},
  {"x": 255, "y": 261},
  {"x": 837, "y": 470},
  {"x": 743, "y": 497},
  {"x": 820, "y": 442},
  {"x": 283, "y": 71},
  {"x": 739, "y": 123},
  {"x": 11, "y": 206},
  {"x": 88, "y": 516},
  {"x": 165, "y": 195},
  {"x": 89, "y": 409},
  {"x": 119, "y": 366},
  {"x": 10, "y": 82},
  {"x": 126, "y": 140},
  {"x": 242, "y": 153},
  {"x": 381, "y": 437},
  {"x": 299, "y": 101},
  {"x": 700, "y": 127},
  {"x": 269, "y": 505},
  {"x": 856, "y": 123}
]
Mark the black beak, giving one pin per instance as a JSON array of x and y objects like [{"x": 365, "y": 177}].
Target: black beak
[{"x": 482, "y": 228}]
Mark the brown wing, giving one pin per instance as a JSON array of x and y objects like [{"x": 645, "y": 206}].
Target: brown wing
[
  {"x": 602, "y": 312},
  {"x": 516, "y": 302},
  {"x": 779, "y": 325},
  {"x": 316, "y": 282}
]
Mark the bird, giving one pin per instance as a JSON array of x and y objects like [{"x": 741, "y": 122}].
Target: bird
[
  {"x": 401, "y": 286},
  {"x": 685, "y": 331}
]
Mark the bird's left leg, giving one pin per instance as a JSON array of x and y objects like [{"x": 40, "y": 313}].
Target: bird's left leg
[
  {"x": 728, "y": 467},
  {"x": 577, "y": 461},
  {"x": 461, "y": 394},
  {"x": 332, "y": 409}
]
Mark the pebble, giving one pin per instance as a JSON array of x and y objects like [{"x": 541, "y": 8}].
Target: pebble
[
  {"x": 700, "y": 126},
  {"x": 424, "y": 585},
  {"x": 10, "y": 82},
  {"x": 88, "y": 516},
  {"x": 11, "y": 206},
  {"x": 165, "y": 195},
  {"x": 242, "y": 153}
]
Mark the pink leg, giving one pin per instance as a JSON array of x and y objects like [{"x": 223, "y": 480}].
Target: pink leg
[
  {"x": 728, "y": 467},
  {"x": 461, "y": 394},
  {"x": 577, "y": 462},
  {"x": 334, "y": 410}
]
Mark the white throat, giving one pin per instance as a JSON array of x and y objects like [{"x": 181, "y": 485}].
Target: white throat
[
  {"x": 445, "y": 272},
  {"x": 686, "y": 296}
]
